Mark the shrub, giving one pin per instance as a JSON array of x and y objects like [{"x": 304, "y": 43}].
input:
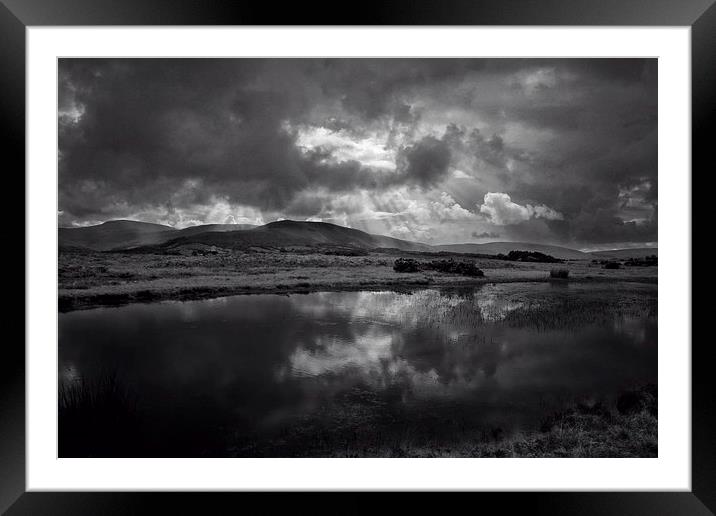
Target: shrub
[
  {"x": 528, "y": 256},
  {"x": 405, "y": 265},
  {"x": 448, "y": 266},
  {"x": 612, "y": 265},
  {"x": 452, "y": 267},
  {"x": 647, "y": 261},
  {"x": 469, "y": 269},
  {"x": 559, "y": 273}
]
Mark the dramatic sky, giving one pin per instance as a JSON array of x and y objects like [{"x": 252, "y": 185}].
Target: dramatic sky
[{"x": 557, "y": 151}]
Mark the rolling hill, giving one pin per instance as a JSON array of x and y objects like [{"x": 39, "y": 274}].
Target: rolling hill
[
  {"x": 128, "y": 234},
  {"x": 287, "y": 233},
  {"x": 113, "y": 234},
  {"x": 211, "y": 228},
  {"x": 143, "y": 236},
  {"x": 563, "y": 253}
]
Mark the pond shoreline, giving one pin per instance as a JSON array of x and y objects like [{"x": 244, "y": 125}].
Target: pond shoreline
[
  {"x": 96, "y": 298},
  {"x": 94, "y": 279}
]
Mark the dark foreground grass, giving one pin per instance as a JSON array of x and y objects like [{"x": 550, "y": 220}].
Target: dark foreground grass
[
  {"x": 97, "y": 416},
  {"x": 588, "y": 431},
  {"x": 574, "y": 434},
  {"x": 578, "y": 431},
  {"x": 100, "y": 419},
  {"x": 106, "y": 417},
  {"x": 579, "y": 435}
]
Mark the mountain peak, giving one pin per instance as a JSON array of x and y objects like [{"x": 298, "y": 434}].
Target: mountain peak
[
  {"x": 130, "y": 223},
  {"x": 290, "y": 222}
]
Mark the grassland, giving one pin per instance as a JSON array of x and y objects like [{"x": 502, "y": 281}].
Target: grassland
[{"x": 88, "y": 279}]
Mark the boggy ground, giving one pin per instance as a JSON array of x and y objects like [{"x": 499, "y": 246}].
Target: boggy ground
[
  {"x": 626, "y": 426},
  {"x": 88, "y": 279},
  {"x": 581, "y": 430},
  {"x": 101, "y": 419}
]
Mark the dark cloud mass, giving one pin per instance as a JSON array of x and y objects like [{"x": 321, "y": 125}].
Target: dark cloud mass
[
  {"x": 427, "y": 161},
  {"x": 566, "y": 148}
]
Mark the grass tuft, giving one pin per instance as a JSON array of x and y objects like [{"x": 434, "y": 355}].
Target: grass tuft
[{"x": 96, "y": 417}]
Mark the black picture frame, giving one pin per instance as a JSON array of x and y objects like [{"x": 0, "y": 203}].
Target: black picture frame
[{"x": 17, "y": 15}]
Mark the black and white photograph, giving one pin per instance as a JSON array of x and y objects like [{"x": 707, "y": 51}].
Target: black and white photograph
[{"x": 357, "y": 257}]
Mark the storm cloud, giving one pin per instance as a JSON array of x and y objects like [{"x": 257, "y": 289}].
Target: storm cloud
[{"x": 438, "y": 150}]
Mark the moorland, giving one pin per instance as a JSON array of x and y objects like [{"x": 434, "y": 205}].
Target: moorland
[{"x": 120, "y": 262}]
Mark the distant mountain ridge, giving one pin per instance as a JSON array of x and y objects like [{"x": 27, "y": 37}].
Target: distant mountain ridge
[
  {"x": 144, "y": 236},
  {"x": 625, "y": 254},
  {"x": 114, "y": 233},
  {"x": 288, "y": 233},
  {"x": 563, "y": 253},
  {"x": 213, "y": 228},
  {"x": 127, "y": 234}
]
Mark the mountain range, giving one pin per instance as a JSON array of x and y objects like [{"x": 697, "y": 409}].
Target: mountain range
[
  {"x": 138, "y": 236},
  {"x": 128, "y": 234},
  {"x": 563, "y": 253},
  {"x": 624, "y": 254}
]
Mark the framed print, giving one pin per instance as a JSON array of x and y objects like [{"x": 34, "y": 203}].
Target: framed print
[{"x": 414, "y": 250}]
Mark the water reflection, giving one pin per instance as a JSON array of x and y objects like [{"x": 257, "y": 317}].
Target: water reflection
[{"x": 259, "y": 375}]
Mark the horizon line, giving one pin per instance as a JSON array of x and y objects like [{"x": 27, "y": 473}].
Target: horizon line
[{"x": 590, "y": 249}]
